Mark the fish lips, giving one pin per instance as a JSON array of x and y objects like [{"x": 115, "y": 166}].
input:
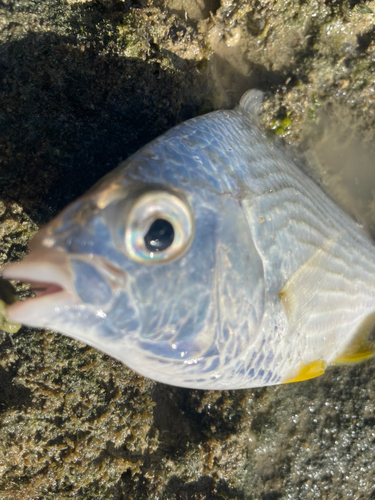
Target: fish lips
[{"x": 49, "y": 274}]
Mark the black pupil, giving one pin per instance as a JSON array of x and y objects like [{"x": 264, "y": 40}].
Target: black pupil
[{"x": 160, "y": 236}]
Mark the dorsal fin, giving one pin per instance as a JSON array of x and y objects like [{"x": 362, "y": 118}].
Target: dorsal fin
[{"x": 251, "y": 102}]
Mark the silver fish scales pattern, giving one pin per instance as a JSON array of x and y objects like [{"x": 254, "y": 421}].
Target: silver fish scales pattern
[{"x": 206, "y": 260}]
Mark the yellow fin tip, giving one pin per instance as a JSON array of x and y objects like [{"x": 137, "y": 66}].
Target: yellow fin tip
[{"x": 306, "y": 372}]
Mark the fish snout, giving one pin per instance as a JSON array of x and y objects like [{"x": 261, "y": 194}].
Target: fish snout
[
  {"x": 61, "y": 282},
  {"x": 48, "y": 273}
]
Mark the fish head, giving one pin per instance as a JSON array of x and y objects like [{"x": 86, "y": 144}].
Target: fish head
[{"x": 162, "y": 275}]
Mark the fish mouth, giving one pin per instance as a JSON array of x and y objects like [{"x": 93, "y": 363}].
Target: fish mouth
[
  {"x": 50, "y": 280},
  {"x": 41, "y": 288}
]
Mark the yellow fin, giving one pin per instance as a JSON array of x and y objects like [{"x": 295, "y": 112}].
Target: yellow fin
[
  {"x": 359, "y": 349},
  {"x": 306, "y": 372},
  {"x": 365, "y": 351}
]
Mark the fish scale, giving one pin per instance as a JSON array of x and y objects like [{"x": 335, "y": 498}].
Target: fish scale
[
  {"x": 265, "y": 281},
  {"x": 351, "y": 257}
]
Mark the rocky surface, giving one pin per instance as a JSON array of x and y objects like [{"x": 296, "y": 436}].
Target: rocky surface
[{"x": 83, "y": 84}]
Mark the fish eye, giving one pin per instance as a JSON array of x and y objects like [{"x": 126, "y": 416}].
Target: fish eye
[
  {"x": 159, "y": 227},
  {"x": 160, "y": 236}
]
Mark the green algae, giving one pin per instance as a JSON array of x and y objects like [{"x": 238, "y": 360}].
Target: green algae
[
  {"x": 6, "y": 325},
  {"x": 281, "y": 126}
]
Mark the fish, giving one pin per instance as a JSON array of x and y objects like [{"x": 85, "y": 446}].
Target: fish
[{"x": 206, "y": 260}]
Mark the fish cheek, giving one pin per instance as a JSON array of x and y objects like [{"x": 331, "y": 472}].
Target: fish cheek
[{"x": 90, "y": 286}]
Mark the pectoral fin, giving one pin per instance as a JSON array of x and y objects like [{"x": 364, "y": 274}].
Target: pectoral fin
[{"x": 300, "y": 294}]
